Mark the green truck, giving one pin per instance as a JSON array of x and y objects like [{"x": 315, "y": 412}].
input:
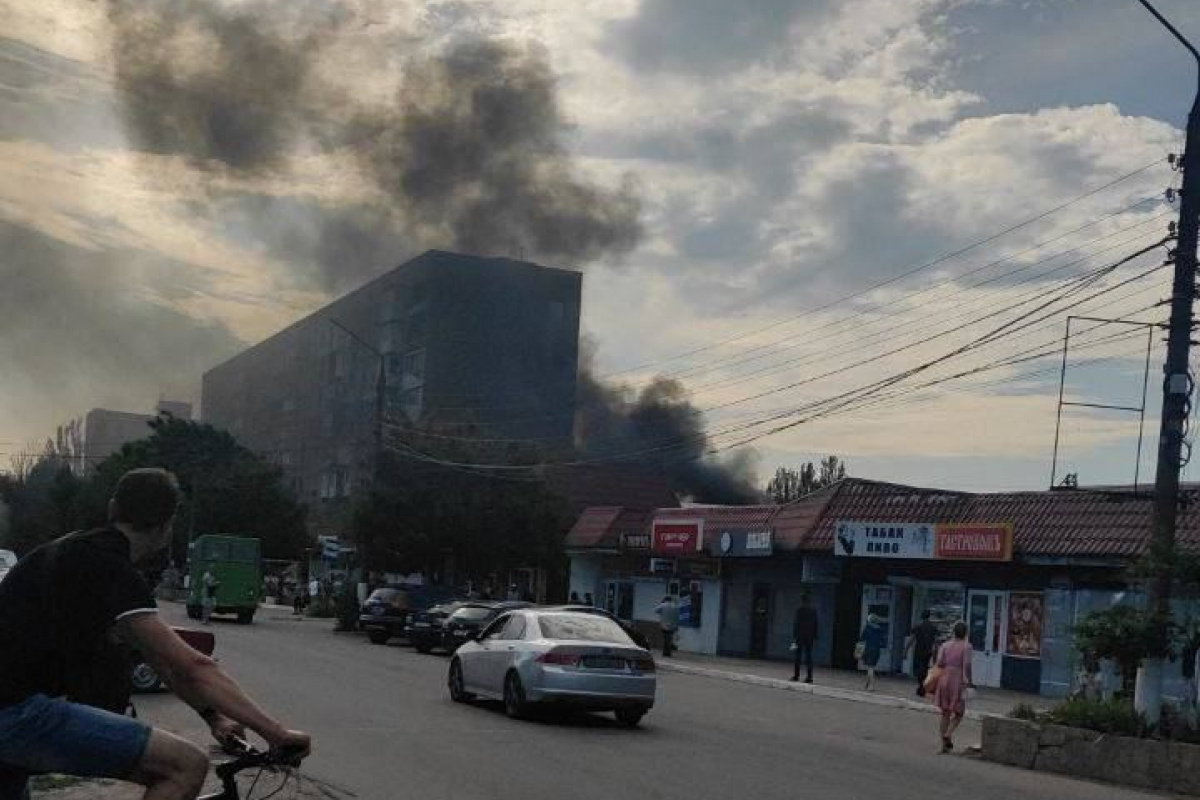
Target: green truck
[{"x": 236, "y": 563}]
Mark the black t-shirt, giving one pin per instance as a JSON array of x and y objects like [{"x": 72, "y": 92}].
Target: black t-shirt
[
  {"x": 924, "y": 637},
  {"x": 57, "y": 609}
]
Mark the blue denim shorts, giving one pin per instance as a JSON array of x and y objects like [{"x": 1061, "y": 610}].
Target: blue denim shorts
[{"x": 44, "y": 734}]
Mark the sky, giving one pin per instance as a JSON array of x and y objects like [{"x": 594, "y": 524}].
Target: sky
[{"x": 778, "y": 203}]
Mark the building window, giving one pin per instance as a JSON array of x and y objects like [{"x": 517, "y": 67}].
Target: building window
[
  {"x": 335, "y": 482},
  {"x": 412, "y": 367},
  {"x": 411, "y": 403}
]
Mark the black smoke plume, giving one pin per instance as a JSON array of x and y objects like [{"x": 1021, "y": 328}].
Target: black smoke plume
[
  {"x": 659, "y": 428},
  {"x": 468, "y": 157}
]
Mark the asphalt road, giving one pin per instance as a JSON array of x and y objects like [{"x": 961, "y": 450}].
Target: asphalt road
[{"x": 385, "y": 728}]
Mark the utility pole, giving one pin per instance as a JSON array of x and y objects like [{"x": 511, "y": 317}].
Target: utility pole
[
  {"x": 1177, "y": 389},
  {"x": 349, "y": 601}
]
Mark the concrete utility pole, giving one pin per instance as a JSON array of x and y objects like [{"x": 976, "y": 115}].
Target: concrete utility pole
[{"x": 1177, "y": 390}]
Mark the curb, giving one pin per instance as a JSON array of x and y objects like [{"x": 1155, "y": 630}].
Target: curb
[{"x": 888, "y": 701}]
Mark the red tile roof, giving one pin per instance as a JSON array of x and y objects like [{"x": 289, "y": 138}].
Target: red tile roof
[
  {"x": 1053, "y": 524},
  {"x": 1074, "y": 523}
]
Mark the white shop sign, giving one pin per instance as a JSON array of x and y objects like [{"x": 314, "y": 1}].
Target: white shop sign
[{"x": 883, "y": 540}]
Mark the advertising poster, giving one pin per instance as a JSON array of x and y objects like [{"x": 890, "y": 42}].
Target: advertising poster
[{"x": 1026, "y": 611}]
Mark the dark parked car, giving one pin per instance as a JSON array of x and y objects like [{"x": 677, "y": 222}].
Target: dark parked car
[
  {"x": 470, "y": 618},
  {"x": 143, "y": 676},
  {"x": 386, "y": 612},
  {"x": 425, "y": 627}
]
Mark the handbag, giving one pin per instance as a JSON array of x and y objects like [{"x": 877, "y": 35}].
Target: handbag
[
  {"x": 859, "y": 650},
  {"x": 932, "y": 679}
]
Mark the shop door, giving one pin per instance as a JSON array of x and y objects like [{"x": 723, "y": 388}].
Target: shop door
[
  {"x": 986, "y": 616},
  {"x": 881, "y": 601},
  {"x": 760, "y": 620}
]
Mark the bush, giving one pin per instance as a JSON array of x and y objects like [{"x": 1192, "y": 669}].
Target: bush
[
  {"x": 1102, "y": 716},
  {"x": 1126, "y": 635},
  {"x": 1026, "y": 712}
]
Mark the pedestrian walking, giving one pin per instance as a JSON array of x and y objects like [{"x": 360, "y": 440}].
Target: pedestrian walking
[
  {"x": 804, "y": 636},
  {"x": 668, "y": 622},
  {"x": 921, "y": 641},
  {"x": 209, "y": 585},
  {"x": 870, "y": 645},
  {"x": 953, "y": 682}
]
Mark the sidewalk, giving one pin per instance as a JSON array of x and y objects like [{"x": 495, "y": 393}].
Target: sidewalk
[{"x": 894, "y": 692}]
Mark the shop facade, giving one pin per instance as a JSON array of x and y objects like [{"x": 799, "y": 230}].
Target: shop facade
[{"x": 1020, "y": 569}]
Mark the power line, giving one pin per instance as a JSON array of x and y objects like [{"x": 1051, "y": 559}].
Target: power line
[{"x": 912, "y": 271}]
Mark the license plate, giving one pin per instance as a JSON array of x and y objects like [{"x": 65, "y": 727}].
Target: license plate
[
  {"x": 460, "y": 633},
  {"x": 605, "y": 662}
]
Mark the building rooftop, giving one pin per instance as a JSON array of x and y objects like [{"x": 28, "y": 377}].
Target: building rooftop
[{"x": 1082, "y": 523}]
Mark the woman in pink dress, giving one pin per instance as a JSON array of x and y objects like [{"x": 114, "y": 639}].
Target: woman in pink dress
[{"x": 954, "y": 658}]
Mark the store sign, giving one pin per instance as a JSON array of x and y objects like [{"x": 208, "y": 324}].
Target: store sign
[
  {"x": 677, "y": 537},
  {"x": 923, "y": 540},
  {"x": 662, "y": 566},
  {"x": 741, "y": 543},
  {"x": 974, "y": 542},
  {"x": 883, "y": 540},
  {"x": 635, "y": 541}
]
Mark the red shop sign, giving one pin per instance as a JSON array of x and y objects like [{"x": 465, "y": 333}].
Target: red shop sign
[
  {"x": 678, "y": 537},
  {"x": 973, "y": 542}
]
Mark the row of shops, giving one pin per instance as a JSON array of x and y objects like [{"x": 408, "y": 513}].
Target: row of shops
[{"x": 1018, "y": 568}]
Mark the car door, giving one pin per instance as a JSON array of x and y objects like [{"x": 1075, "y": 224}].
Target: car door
[
  {"x": 507, "y": 648},
  {"x": 479, "y": 658}
]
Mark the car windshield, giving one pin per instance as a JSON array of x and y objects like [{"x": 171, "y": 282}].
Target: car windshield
[
  {"x": 384, "y": 595},
  {"x": 582, "y": 628},
  {"x": 472, "y": 614}
]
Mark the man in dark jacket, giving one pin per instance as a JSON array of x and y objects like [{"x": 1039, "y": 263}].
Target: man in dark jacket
[
  {"x": 804, "y": 636},
  {"x": 921, "y": 641}
]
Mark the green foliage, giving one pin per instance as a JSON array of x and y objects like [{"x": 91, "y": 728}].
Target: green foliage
[
  {"x": 1126, "y": 635},
  {"x": 1024, "y": 711},
  {"x": 227, "y": 489},
  {"x": 1104, "y": 716},
  {"x": 789, "y": 484},
  {"x": 422, "y": 517}
]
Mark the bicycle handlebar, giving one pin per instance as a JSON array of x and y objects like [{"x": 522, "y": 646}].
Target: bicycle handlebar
[{"x": 248, "y": 757}]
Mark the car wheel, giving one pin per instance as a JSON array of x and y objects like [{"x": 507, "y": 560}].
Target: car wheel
[
  {"x": 630, "y": 717},
  {"x": 514, "y": 697},
  {"x": 144, "y": 678},
  {"x": 458, "y": 691},
  {"x": 377, "y": 637}
]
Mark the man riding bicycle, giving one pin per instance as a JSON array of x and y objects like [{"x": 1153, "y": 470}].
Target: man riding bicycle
[{"x": 64, "y": 610}]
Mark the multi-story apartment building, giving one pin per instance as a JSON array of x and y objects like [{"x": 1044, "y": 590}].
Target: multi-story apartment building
[{"x": 491, "y": 341}]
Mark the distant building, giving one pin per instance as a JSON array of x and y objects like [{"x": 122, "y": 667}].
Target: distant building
[
  {"x": 465, "y": 339},
  {"x": 105, "y": 431}
]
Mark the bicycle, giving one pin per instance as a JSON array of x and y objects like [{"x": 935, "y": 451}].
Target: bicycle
[{"x": 247, "y": 757}]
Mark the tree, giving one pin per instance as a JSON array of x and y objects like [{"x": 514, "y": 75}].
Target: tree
[
  {"x": 436, "y": 519},
  {"x": 789, "y": 484},
  {"x": 227, "y": 488}
]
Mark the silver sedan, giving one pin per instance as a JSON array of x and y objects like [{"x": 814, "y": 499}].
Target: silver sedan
[{"x": 530, "y": 657}]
